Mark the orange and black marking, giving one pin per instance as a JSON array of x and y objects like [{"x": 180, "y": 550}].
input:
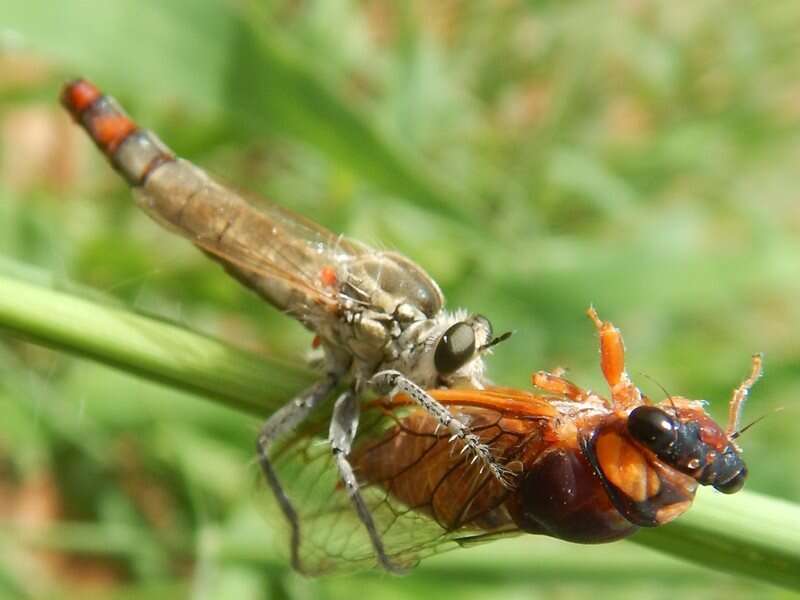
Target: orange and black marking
[{"x": 133, "y": 151}]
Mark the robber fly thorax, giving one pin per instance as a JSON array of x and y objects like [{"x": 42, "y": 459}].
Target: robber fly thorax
[{"x": 377, "y": 316}]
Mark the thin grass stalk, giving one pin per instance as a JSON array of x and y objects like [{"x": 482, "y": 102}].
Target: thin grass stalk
[{"x": 747, "y": 534}]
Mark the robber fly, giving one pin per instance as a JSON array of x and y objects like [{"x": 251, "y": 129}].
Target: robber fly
[
  {"x": 377, "y": 316},
  {"x": 589, "y": 469}
]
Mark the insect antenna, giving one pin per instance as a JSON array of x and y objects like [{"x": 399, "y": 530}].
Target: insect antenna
[
  {"x": 500, "y": 338},
  {"x": 663, "y": 389},
  {"x": 739, "y": 432}
]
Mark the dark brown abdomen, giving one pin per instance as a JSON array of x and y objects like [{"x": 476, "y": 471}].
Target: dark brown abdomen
[{"x": 561, "y": 496}]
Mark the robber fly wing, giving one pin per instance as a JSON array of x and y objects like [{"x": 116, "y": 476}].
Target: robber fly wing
[
  {"x": 290, "y": 261},
  {"x": 268, "y": 249},
  {"x": 293, "y": 263}
]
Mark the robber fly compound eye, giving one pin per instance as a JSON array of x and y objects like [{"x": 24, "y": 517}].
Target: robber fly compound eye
[{"x": 455, "y": 348}]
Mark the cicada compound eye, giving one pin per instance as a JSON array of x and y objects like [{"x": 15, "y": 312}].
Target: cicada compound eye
[
  {"x": 734, "y": 484},
  {"x": 653, "y": 428},
  {"x": 455, "y": 348}
]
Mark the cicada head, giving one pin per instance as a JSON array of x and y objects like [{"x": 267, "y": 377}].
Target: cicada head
[
  {"x": 683, "y": 436},
  {"x": 651, "y": 457}
]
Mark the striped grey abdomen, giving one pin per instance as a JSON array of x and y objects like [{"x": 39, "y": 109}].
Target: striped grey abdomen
[{"x": 244, "y": 240}]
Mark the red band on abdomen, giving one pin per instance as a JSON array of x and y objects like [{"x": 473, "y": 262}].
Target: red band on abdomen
[
  {"x": 79, "y": 95},
  {"x": 103, "y": 119},
  {"x": 109, "y": 130}
]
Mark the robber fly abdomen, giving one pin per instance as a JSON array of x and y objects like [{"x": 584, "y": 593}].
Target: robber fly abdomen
[
  {"x": 254, "y": 245},
  {"x": 378, "y": 317}
]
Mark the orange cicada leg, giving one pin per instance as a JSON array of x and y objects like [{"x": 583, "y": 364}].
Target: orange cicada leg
[
  {"x": 612, "y": 362},
  {"x": 554, "y": 383},
  {"x": 740, "y": 395}
]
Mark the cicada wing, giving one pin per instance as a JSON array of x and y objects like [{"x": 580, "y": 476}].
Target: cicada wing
[
  {"x": 332, "y": 538},
  {"x": 424, "y": 495}
]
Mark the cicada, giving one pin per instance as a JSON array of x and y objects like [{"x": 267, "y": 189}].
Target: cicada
[{"x": 588, "y": 468}]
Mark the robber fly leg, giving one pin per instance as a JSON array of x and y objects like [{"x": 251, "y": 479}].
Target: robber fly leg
[
  {"x": 281, "y": 422},
  {"x": 612, "y": 363},
  {"x": 344, "y": 425},
  {"x": 394, "y": 382}
]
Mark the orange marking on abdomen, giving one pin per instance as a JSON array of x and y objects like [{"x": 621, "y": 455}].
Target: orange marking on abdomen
[
  {"x": 78, "y": 95},
  {"x": 328, "y": 276},
  {"x": 110, "y": 130}
]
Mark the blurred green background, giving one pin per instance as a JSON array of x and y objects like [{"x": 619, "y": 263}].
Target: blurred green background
[{"x": 534, "y": 157}]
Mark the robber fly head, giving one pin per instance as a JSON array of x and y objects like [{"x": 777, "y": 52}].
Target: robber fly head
[{"x": 463, "y": 341}]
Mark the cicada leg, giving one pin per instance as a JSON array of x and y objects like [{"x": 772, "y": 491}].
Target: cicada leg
[
  {"x": 554, "y": 383},
  {"x": 281, "y": 422},
  {"x": 740, "y": 395},
  {"x": 344, "y": 425},
  {"x": 612, "y": 363},
  {"x": 393, "y": 382}
]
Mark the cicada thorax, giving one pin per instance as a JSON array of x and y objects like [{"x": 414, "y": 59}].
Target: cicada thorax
[
  {"x": 642, "y": 488},
  {"x": 581, "y": 488}
]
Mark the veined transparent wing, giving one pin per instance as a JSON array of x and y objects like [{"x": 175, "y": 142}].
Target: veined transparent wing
[
  {"x": 424, "y": 495},
  {"x": 279, "y": 253},
  {"x": 292, "y": 262}
]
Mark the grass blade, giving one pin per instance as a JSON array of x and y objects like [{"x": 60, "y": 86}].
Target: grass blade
[
  {"x": 747, "y": 534},
  {"x": 152, "y": 348}
]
